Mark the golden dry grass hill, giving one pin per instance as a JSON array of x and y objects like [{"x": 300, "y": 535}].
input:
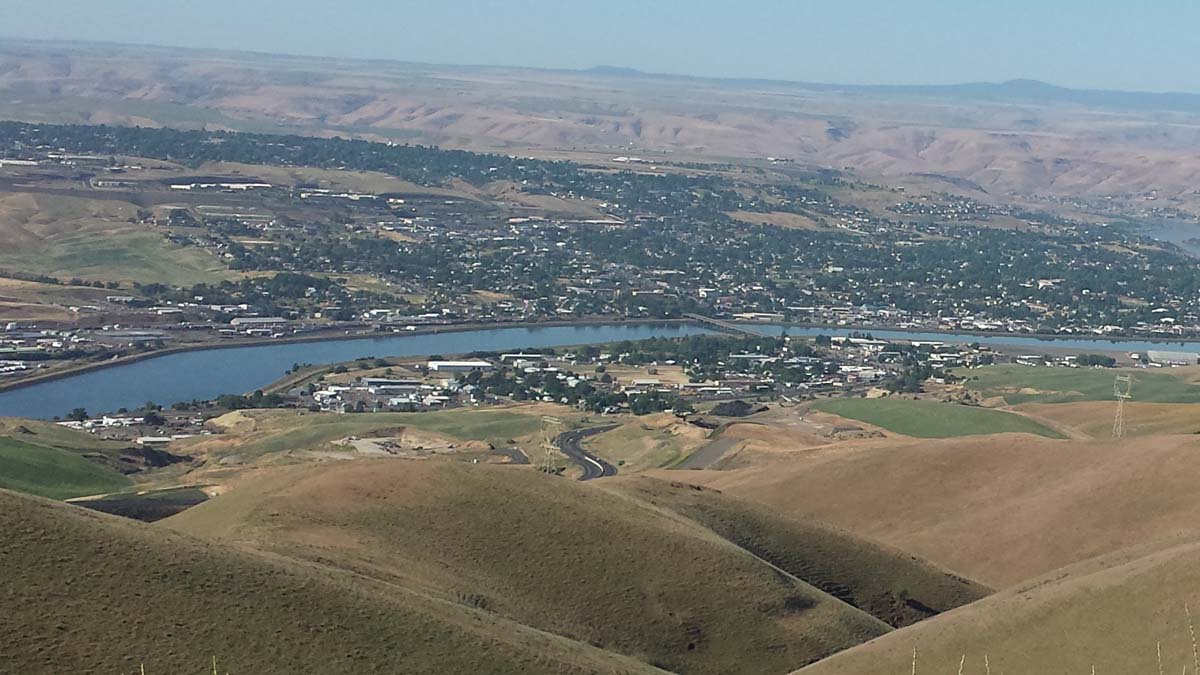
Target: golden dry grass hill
[
  {"x": 625, "y": 569},
  {"x": 89, "y": 593},
  {"x": 1041, "y": 146},
  {"x": 824, "y": 555},
  {"x": 888, "y": 584},
  {"x": 1113, "y": 614},
  {"x": 998, "y": 509},
  {"x": 546, "y": 552}
]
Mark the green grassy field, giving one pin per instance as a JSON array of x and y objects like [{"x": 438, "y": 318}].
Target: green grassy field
[
  {"x": 1025, "y": 384},
  {"x": 95, "y": 239},
  {"x": 125, "y": 256},
  {"x": 931, "y": 419},
  {"x": 638, "y": 445},
  {"x": 54, "y": 473},
  {"x": 479, "y": 425}
]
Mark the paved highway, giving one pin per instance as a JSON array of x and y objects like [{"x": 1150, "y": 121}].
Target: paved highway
[{"x": 571, "y": 445}]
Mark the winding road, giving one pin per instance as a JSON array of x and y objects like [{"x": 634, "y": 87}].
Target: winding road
[{"x": 570, "y": 443}]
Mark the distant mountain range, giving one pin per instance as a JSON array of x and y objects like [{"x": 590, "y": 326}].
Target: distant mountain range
[
  {"x": 977, "y": 136},
  {"x": 1011, "y": 91}
]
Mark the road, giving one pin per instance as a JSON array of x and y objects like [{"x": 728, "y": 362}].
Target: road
[
  {"x": 515, "y": 455},
  {"x": 570, "y": 443}
]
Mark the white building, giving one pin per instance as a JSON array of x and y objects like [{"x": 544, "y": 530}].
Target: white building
[
  {"x": 459, "y": 366},
  {"x": 258, "y": 321},
  {"x": 1173, "y": 358}
]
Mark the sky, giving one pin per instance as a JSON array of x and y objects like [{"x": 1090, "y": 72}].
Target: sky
[{"x": 1106, "y": 44}]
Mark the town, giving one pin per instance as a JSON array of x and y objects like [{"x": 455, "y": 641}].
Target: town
[{"x": 310, "y": 258}]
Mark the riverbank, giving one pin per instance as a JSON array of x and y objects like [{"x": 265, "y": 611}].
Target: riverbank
[
  {"x": 323, "y": 336},
  {"x": 991, "y": 335},
  {"x": 203, "y": 374},
  {"x": 1109, "y": 343}
]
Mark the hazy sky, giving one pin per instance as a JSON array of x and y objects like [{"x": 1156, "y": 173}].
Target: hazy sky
[{"x": 1118, "y": 44}]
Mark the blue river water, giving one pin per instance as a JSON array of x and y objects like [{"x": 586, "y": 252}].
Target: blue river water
[
  {"x": 993, "y": 340},
  {"x": 206, "y": 374}
]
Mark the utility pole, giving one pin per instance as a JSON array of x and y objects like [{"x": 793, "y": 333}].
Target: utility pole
[
  {"x": 549, "y": 433},
  {"x": 1123, "y": 390}
]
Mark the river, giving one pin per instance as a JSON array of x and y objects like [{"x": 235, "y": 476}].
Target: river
[
  {"x": 994, "y": 339},
  {"x": 207, "y": 373}
]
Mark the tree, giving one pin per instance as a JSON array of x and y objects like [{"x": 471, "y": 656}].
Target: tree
[
  {"x": 1096, "y": 360},
  {"x": 78, "y": 415}
]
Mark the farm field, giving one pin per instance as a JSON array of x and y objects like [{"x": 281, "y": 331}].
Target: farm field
[
  {"x": 1026, "y": 384},
  {"x": 931, "y": 419}
]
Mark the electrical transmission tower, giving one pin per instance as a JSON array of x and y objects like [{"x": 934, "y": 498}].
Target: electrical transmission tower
[
  {"x": 550, "y": 425},
  {"x": 1123, "y": 390}
]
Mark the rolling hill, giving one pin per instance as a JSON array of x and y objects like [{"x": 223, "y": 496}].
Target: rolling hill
[
  {"x": 51, "y": 472},
  {"x": 85, "y": 592},
  {"x": 563, "y": 557},
  {"x": 887, "y": 584},
  {"x": 45, "y": 459},
  {"x": 95, "y": 239},
  {"x": 1020, "y": 136},
  {"x": 998, "y": 509},
  {"x": 1113, "y": 614}
]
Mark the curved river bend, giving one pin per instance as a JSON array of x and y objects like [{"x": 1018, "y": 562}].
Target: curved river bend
[
  {"x": 204, "y": 374},
  {"x": 207, "y": 373}
]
